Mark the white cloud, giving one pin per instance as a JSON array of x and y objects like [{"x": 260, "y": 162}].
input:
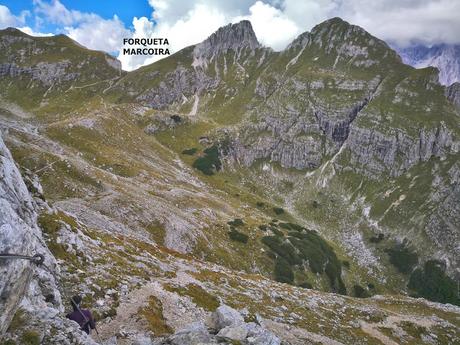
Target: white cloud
[
  {"x": 406, "y": 21},
  {"x": 55, "y": 12},
  {"x": 99, "y": 34},
  {"x": 7, "y": 19},
  {"x": 273, "y": 28},
  {"x": 29, "y": 31},
  {"x": 172, "y": 10},
  {"x": 88, "y": 29}
]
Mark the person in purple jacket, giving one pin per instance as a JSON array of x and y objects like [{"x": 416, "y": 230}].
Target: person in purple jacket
[{"x": 81, "y": 316}]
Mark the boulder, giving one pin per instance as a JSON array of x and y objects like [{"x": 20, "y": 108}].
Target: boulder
[
  {"x": 237, "y": 332},
  {"x": 258, "y": 335},
  {"x": 225, "y": 316},
  {"x": 194, "y": 334}
]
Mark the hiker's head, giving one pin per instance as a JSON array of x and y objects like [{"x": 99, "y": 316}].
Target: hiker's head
[{"x": 75, "y": 301}]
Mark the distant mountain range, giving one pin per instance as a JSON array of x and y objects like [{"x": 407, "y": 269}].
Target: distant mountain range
[{"x": 445, "y": 57}]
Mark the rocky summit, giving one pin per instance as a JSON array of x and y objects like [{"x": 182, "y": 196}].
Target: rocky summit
[{"x": 228, "y": 193}]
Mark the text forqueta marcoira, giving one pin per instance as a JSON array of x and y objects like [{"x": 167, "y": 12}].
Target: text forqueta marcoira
[{"x": 150, "y": 46}]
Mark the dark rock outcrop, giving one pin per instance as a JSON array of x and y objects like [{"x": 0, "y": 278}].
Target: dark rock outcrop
[{"x": 453, "y": 94}]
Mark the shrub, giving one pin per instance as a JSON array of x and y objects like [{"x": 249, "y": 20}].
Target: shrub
[
  {"x": 190, "y": 152},
  {"x": 209, "y": 163},
  {"x": 360, "y": 292},
  {"x": 321, "y": 257},
  {"x": 309, "y": 246},
  {"x": 342, "y": 288},
  {"x": 271, "y": 255},
  {"x": 284, "y": 226},
  {"x": 263, "y": 227},
  {"x": 277, "y": 232},
  {"x": 260, "y": 204},
  {"x": 283, "y": 272},
  {"x": 432, "y": 283},
  {"x": 377, "y": 239},
  {"x": 278, "y": 210},
  {"x": 333, "y": 271},
  {"x": 237, "y": 236},
  {"x": 306, "y": 285},
  {"x": 176, "y": 118},
  {"x": 312, "y": 250},
  {"x": 30, "y": 338},
  {"x": 282, "y": 248},
  {"x": 346, "y": 263},
  {"x": 236, "y": 222},
  {"x": 17, "y": 321},
  {"x": 402, "y": 258},
  {"x": 8, "y": 342},
  {"x": 291, "y": 226}
]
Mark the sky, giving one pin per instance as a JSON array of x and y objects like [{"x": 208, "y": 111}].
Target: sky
[{"x": 103, "y": 24}]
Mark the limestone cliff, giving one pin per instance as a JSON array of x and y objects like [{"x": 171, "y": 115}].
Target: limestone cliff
[{"x": 24, "y": 285}]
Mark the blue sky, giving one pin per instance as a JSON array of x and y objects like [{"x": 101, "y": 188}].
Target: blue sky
[
  {"x": 125, "y": 10},
  {"x": 103, "y": 24}
]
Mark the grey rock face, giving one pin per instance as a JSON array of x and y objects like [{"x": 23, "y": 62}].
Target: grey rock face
[
  {"x": 182, "y": 82},
  {"x": 114, "y": 63},
  {"x": 231, "y": 37},
  {"x": 299, "y": 136},
  {"x": 45, "y": 73},
  {"x": 443, "y": 224},
  {"x": 298, "y": 125},
  {"x": 453, "y": 94},
  {"x": 186, "y": 81},
  {"x": 22, "y": 283},
  {"x": 373, "y": 152},
  {"x": 19, "y": 234}
]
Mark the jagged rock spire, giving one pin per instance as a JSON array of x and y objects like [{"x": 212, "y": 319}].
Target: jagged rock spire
[{"x": 230, "y": 37}]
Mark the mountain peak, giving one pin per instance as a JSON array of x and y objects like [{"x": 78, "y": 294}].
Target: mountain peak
[
  {"x": 13, "y": 31},
  {"x": 230, "y": 37},
  {"x": 338, "y": 28},
  {"x": 350, "y": 44}
]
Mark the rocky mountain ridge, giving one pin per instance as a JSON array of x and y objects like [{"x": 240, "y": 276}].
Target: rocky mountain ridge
[{"x": 234, "y": 37}]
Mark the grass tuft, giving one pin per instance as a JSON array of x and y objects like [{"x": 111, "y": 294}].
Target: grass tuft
[{"x": 153, "y": 314}]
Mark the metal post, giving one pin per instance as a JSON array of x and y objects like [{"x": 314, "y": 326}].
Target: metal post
[{"x": 37, "y": 258}]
